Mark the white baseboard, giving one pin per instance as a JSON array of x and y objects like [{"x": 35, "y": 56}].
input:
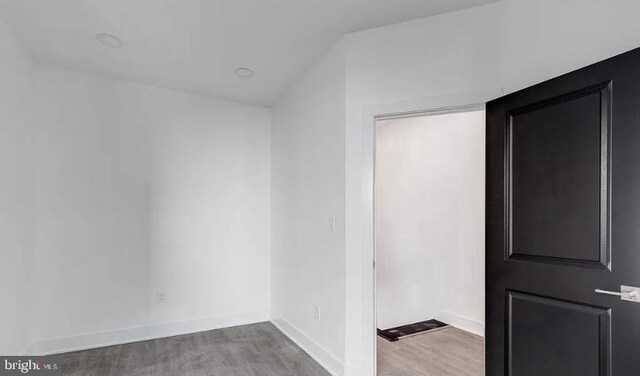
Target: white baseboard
[
  {"x": 327, "y": 360},
  {"x": 128, "y": 335},
  {"x": 461, "y": 322}
]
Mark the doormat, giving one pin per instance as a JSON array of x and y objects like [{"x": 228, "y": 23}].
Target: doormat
[{"x": 405, "y": 331}]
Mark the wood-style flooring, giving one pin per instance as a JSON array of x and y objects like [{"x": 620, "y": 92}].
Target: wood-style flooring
[
  {"x": 444, "y": 352},
  {"x": 250, "y": 350}
]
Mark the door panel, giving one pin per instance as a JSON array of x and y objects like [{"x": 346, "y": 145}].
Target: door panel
[
  {"x": 547, "y": 336},
  {"x": 563, "y": 219},
  {"x": 558, "y": 192}
]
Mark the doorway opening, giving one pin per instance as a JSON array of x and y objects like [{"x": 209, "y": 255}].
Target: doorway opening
[{"x": 429, "y": 243}]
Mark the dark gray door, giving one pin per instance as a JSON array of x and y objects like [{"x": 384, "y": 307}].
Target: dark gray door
[{"x": 563, "y": 219}]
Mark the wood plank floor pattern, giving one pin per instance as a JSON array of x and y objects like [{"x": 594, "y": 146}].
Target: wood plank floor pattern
[
  {"x": 250, "y": 350},
  {"x": 445, "y": 352}
]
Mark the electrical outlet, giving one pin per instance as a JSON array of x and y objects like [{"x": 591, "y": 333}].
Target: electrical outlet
[
  {"x": 160, "y": 297},
  {"x": 317, "y": 313}
]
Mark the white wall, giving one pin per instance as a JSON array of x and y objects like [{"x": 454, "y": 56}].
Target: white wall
[
  {"x": 112, "y": 192},
  {"x": 454, "y": 59},
  {"x": 140, "y": 191},
  {"x": 16, "y": 104},
  {"x": 308, "y": 267},
  {"x": 430, "y": 220}
]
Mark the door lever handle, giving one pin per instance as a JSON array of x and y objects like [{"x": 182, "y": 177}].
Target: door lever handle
[
  {"x": 628, "y": 293},
  {"x": 605, "y": 292}
]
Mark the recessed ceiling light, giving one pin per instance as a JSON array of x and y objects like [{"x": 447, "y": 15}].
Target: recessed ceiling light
[
  {"x": 244, "y": 72},
  {"x": 109, "y": 40}
]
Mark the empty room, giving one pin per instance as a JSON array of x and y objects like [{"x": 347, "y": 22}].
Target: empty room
[{"x": 313, "y": 188}]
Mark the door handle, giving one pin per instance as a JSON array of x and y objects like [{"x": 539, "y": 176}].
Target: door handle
[
  {"x": 627, "y": 293},
  {"x": 605, "y": 292}
]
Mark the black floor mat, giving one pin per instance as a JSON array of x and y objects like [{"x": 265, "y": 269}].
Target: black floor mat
[{"x": 400, "y": 332}]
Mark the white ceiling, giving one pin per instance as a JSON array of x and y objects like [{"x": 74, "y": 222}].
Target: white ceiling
[{"x": 195, "y": 45}]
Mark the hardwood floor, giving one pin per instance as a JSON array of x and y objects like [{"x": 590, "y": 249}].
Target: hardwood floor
[
  {"x": 445, "y": 352},
  {"x": 250, "y": 350}
]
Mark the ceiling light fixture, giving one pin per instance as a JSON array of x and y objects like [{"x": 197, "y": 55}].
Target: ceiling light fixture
[
  {"x": 244, "y": 72},
  {"x": 109, "y": 40}
]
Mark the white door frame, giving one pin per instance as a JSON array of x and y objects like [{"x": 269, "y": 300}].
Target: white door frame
[{"x": 370, "y": 115}]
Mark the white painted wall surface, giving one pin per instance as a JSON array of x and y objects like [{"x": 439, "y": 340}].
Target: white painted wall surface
[
  {"x": 307, "y": 190},
  {"x": 465, "y": 57},
  {"x": 16, "y": 245},
  {"x": 113, "y": 192},
  {"x": 140, "y": 191},
  {"x": 430, "y": 220}
]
